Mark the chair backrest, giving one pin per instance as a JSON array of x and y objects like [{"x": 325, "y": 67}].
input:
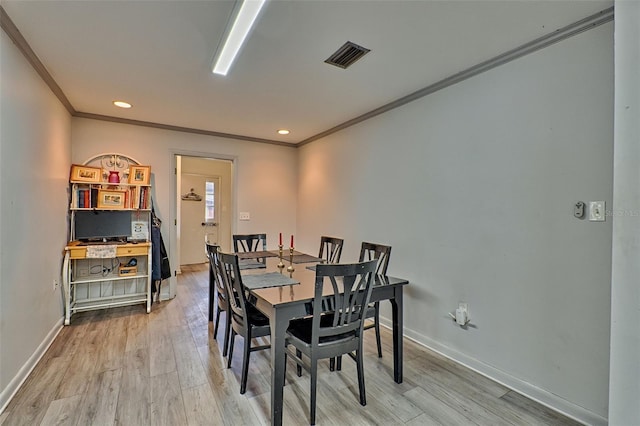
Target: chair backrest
[
  {"x": 232, "y": 280},
  {"x": 249, "y": 242},
  {"x": 330, "y": 249},
  {"x": 210, "y": 248},
  {"x": 380, "y": 252},
  {"x": 213, "y": 253},
  {"x": 351, "y": 286}
]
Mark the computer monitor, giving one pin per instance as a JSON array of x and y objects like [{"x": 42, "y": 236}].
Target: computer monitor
[{"x": 98, "y": 225}]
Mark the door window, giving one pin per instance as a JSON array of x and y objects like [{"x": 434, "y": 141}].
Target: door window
[{"x": 210, "y": 202}]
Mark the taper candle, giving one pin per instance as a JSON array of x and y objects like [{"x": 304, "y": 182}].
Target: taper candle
[
  {"x": 291, "y": 240},
  {"x": 281, "y": 238}
]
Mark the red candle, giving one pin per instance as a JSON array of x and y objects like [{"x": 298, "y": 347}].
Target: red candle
[
  {"x": 281, "y": 238},
  {"x": 291, "y": 240}
]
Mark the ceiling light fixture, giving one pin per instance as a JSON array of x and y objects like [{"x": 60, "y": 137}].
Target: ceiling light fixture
[
  {"x": 242, "y": 24},
  {"x": 122, "y": 104},
  {"x": 283, "y": 132}
]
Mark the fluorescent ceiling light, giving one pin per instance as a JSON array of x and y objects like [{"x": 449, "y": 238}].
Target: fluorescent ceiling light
[{"x": 245, "y": 18}]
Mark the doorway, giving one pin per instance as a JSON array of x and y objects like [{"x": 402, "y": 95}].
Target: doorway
[{"x": 204, "y": 206}]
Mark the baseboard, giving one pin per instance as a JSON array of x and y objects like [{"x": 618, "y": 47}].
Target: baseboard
[
  {"x": 529, "y": 390},
  {"x": 9, "y": 392}
]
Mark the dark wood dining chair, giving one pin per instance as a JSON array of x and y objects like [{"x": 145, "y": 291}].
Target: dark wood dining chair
[
  {"x": 330, "y": 249},
  {"x": 246, "y": 320},
  {"x": 381, "y": 253},
  {"x": 222, "y": 298},
  {"x": 249, "y": 242},
  {"x": 329, "y": 334}
]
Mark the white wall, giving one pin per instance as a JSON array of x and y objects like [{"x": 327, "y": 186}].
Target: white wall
[
  {"x": 265, "y": 176},
  {"x": 624, "y": 390},
  {"x": 473, "y": 186},
  {"x": 34, "y": 165}
]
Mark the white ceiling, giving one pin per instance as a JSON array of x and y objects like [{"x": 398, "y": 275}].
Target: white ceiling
[{"x": 157, "y": 55}]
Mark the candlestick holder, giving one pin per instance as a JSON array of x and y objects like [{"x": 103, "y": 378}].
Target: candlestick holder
[
  {"x": 290, "y": 268},
  {"x": 281, "y": 264}
]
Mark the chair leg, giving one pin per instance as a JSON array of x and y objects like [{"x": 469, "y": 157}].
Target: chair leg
[
  {"x": 227, "y": 331},
  {"x": 314, "y": 384},
  {"x": 231, "y": 342},
  {"x": 360, "y": 368},
  {"x": 377, "y": 327},
  {"x": 332, "y": 364},
  {"x": 298, "y": 366},
  {"x": 339, "y": 363},
  {"x": 215, "y": 327},
  {"x": 246, "y": 353}
]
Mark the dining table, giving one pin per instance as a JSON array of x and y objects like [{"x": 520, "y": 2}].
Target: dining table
[{"x": 290, "y": 296}]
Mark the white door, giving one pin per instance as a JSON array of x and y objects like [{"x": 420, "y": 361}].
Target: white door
[{"x": 199, "y": 216}]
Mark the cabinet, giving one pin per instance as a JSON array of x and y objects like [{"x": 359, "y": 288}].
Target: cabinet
[{"x": 107, "y": 261}]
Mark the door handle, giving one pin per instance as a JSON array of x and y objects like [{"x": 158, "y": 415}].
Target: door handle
[{"x": 209, "y": 224}]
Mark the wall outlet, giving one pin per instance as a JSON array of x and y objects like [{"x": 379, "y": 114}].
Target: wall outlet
[
  {"x": 464, "y": 306},
  {"x": 245, "y": 216},
  {"x": 55, "y": 285},
  {"x": 596, "y": 211},
  {"x": 462, "y": 314}
]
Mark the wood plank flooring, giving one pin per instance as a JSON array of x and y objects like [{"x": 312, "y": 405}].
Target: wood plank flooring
[{"x": 124, "y": 367}]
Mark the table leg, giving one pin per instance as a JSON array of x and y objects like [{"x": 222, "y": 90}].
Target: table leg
[
  {"x": 396, "y": 309},
  {"x": 279, "y": 323}
]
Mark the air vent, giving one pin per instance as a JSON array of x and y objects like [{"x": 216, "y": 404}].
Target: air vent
[{"x": 347, "y": 55}]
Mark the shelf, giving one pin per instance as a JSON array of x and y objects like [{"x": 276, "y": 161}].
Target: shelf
[
  {"x": 105, "y": 183},
  {"x": 99, "y": 303},
  {"x": 82, "y": 209},
  {"x": 108, "y": 278},
  {"x": 94, "y": 282}
]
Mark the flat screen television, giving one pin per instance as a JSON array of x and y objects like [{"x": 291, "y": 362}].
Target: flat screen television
[{"x": 96, "y": 225}]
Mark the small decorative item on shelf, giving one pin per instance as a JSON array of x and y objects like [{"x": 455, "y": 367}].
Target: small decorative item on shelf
[
  {"x": 127, "y": 270},
  {"x": 84, "y": 173},
  {"x": 139, "y": 175},
  {"x": 114, "y": 176},
  {"x": 108, "y": 199}
]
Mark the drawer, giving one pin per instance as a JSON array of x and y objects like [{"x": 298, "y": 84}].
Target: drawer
[
  {"x": 142, "y": 249},
  {"x": 137, "y": 250}
]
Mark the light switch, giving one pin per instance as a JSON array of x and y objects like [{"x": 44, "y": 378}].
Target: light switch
[
  {"x": 245, "y": 216},
  {"x": 596, "y": 211}
]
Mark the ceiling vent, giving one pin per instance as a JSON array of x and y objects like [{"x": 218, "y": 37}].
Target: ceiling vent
[{"x": 347, "y": 55}]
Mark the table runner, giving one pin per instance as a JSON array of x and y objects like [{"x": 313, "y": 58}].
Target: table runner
[
  {"x": 298, "y": 256},
  {"x": 255, "y": 254},
  {"x": 251, "y": 264},
  {"x": 270, "y": 279}
]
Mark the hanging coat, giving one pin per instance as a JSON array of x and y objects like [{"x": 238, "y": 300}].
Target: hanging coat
[{"x": 160, "y": 267}]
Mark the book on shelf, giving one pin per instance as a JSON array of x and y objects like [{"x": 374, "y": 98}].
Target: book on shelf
[{"x": 94, "y": 197}]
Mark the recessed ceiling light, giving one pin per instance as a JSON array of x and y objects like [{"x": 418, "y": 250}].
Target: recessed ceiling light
[
  {"x": 283, "y": 132},
  {"x": 247, "y": 14},
  {"x": 122, "y": 104}
]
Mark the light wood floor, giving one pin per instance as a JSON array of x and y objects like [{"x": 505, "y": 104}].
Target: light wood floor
[{"x": 125, "y": 367}]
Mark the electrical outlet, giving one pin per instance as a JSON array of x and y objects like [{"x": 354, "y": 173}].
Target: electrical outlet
[
  {"x": 55, "y": 285},
  {"x": 596, "y": 211},
  {"x": 462, "y": 314},
  {"x": 464, "y": 307}
]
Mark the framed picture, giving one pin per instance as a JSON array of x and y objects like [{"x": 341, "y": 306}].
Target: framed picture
[
  {"x": 85, "y": 173},
  {"x": 139, "y": 175},
  {"x": 109, "y": 199}
]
